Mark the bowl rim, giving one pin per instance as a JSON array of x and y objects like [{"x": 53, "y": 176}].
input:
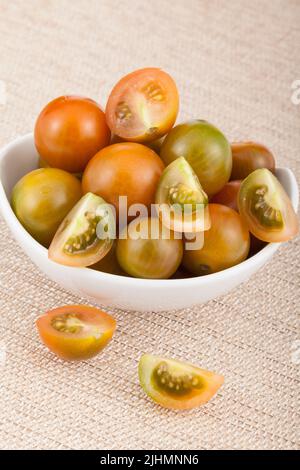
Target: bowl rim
[{"x": 264, "y": 254}]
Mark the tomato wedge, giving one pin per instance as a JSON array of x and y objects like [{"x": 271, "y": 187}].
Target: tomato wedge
[
  {"x": 176, "y": 384},
  {"x": 266, "y": 208},
  {"x": 76, "y": 332},
  {"x": 85, "y": 235},
  {"x": 143, "y": 105}
]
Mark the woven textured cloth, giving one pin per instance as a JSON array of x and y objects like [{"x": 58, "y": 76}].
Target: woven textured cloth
[{"x": 234, "y": 63}]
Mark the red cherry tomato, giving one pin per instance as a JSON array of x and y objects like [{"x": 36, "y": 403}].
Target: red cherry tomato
[{"x": 69, "y": 131}]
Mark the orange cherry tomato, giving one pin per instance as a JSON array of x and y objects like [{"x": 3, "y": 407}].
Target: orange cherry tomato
[
  {"x": 143, "y": 105},
  {"x": 69, "y": 131},
  {"x": 124, "y": 169},
  {"x": 76, "y": 332},
  {"x": 228, "y": 196},
  {"x": 226, "y": 243}
]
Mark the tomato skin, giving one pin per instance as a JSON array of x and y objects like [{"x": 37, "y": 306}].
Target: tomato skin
[
  {"x": 148, "y": 257},
  {"x": 205, "y": 148},
  {"x": 226, "y": 244},
  {"x": 211, "y": 383},
  {"x": 69, "y": 131},
  {"x": 249, "y": 156},
  {"x": 143, "y": 105},
  {"x": 77, "y": 346},
  {"x": 228, "y": 196},
  {"x": 41, "y": 200},
  {"x": 124, "y": 169},
  {"x": 266, "y": 208}
]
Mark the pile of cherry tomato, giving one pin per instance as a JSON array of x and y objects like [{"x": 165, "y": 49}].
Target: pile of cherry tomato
[{"x": 90, "y": 159}]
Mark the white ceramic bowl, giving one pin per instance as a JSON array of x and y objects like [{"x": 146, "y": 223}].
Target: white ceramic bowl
[{"x": 20, "y": 157}]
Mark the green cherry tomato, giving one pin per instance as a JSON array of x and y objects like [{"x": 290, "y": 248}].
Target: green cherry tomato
[
  {"x": 41, "y": 200},
  {"x": 147, "y": 249},
  {"x": 205, "y": 148}
]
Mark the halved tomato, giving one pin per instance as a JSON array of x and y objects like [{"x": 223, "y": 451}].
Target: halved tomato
[
  {"x": 86, "y": 234},
  {"x": 176, "y": 384},
  {"x": 182, "y": 204},
  {"x": 143, "y": 105},
  {"x": 76, "y": 332},
  {"x": 266, "y": 208}
]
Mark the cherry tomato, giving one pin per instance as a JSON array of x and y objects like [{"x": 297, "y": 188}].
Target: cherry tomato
[
  {"x": 76, "y": 332},
  {"x": 205, "y": 148},
  {"x": 249, "y": 156},
  {"x": 226, "y": 243},
  {"x": 41, "y": 200},
  {"x": 176, "y": 384},
  {"x": 124, "y": 169},
  {"x": 228, "y": 196},
  {"x": 85, "y": 235},
  {"x": 266, "y": 208},
  {"x": 148, "y": 250},
  {"x": 143, "y": 105},
  {"x": 69, "y": 131},
  {"x": 181, "y": 202}
]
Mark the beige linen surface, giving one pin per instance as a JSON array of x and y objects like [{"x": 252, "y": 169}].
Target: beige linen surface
[{"x": 234, "y": 63}]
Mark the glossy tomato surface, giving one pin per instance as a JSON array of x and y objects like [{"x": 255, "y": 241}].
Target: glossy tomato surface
[
  {"x": 76, "y": 332},
  {"x": 176, "y": 384},
  {"x": 205, "y": 148},
  {"x": 249, "y": 156},
  {"x": 146, "y": 249},
  {"x": 226, "y": 243},
  {"x": 125, "y": 169},
  {"x": 143, "y": 105},
  {"x": 85, "y": 235},
  {"x": 69, "y": 131},
  {"x": 266, "y": 208},
  {"x": 228, "y": 196},
  {"x": 42, "y": 199}
]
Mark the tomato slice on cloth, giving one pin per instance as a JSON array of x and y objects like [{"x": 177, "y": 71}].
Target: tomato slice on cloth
[
  {"x": 176, "y": 384},
  {"x": 76, "y": 332}
]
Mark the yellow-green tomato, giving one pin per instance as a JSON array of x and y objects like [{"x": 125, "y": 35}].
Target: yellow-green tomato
[
  {"x": 42, "y": 199},
  {"x": 205, "y": 148},
  {"x": 147, "y": 249}
]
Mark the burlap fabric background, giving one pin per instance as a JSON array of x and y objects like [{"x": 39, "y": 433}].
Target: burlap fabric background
[{"x": 234, "y": 62}]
